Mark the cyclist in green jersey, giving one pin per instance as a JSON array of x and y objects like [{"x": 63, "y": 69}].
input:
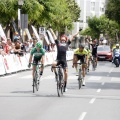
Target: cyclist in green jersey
[{"x": 37, "y": 55}]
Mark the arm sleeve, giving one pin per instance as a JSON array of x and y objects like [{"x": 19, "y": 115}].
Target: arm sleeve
[
  {"x": 69, "y": 42},
  {"x": 56, "y": 42}
]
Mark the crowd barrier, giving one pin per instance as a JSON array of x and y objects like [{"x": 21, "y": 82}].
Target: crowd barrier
[{"x": 13, "y": 63}]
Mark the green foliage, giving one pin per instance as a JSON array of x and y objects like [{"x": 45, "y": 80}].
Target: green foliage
[
  {"x": 101, "y": 25},
  {"x": 113, "y": 10},
  {"x": 58, "y": 13}
]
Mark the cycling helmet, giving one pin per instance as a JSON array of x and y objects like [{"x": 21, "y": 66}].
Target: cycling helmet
[
  {"x": 64, "y": 37},
  {"x": 117, "y": 45},
  {"x": 38, "y": 45},
  {"x": 81, "y": 45}
]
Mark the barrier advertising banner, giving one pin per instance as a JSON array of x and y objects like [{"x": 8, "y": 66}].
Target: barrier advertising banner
[
  {"x": 13, "y": 63},
  {"x": 2, "y": 68}
]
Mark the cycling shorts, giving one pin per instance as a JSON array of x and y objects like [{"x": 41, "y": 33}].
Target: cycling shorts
[
  {"x": 36, "y": 60},
  {"x": 81, "y": 58},
  {"x": 63, "y": 63}
]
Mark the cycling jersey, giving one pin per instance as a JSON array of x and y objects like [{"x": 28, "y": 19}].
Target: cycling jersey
[
  {"x": 61, "y": 50},
  {"x": 94, "y": 49},
  {"x": 83, "y": 53},
  {"x": 41, "y": 52}
]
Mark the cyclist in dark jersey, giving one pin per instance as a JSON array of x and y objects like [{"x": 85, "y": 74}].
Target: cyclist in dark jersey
[
  {"x": 62, "y": 46},
  {"x": 94, "y": 49}
]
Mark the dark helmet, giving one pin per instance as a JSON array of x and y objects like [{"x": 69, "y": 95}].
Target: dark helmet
[{"x": 81, "y": 46}]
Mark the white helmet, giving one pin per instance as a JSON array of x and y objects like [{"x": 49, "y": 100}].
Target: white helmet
[{"x": 117, "y": 45}]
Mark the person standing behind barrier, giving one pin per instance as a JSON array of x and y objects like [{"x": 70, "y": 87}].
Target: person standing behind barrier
[
  {"x": 34, "y": 42},
  {"x": 62, "y": 47}
]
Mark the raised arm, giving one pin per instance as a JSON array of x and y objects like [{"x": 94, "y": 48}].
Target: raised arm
[{"x": 75, "y": 35}]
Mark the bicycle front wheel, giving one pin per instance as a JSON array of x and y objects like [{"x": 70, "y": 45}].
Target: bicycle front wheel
[
  {"x": 35, "y": 82},
  {"x": 79, "y": 79},
  {"x": 60, "y": 86}
]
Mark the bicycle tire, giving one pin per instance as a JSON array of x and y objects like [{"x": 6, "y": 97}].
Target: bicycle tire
[
  {"x": 60, "y": 84},
  {"x": 35, "y": 82},
  {"x": 93, "y": 64},
  {"x": 79, "y": 79}
]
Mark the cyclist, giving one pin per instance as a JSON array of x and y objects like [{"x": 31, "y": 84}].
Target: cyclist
[
  {"x": 81, "y": 54},
  {"x": 62, "y": 47},
  {"x": 94, "y": 49},
  {"x": 39, "y": 56}
]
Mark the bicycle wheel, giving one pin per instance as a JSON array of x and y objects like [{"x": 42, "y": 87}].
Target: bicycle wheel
[
  {"x": 93, "y": 64},
  {"x": 79, "y": 79},
  {"x": 60, "y": 85},
  {"x": 35, "y": 82}
]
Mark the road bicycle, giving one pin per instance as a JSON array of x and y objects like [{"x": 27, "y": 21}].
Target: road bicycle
[
  {"x": 36, "y": 77},
  {"x": 59, "y": 80},
  {"x": 94, "y": 63},
  {"x": 79, "y": 74}
]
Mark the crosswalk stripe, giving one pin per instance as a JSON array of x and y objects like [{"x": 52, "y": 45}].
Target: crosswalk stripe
[
  {"x": 115, "y": 79},
  {"x": 94, "y": 78}
]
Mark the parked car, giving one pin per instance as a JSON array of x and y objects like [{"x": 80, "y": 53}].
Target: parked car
[{"x": 104, "y": 53}]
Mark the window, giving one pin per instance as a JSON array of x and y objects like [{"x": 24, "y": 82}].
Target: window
[{"x": 93, "y": 6}]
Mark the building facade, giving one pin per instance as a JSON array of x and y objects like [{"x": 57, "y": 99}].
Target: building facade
[{"x": 89, "y": 8}]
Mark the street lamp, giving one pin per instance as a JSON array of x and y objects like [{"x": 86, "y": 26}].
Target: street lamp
[{"x": 20, "y": 4}]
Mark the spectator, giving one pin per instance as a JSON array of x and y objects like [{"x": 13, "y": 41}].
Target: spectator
[
  {"x": 19, "y": 48},
  {"x": 9, "y": 43},
  {"x": 53, "y": 47},
  {"x": 27, "y": 48},
  {"x": 16, "y": 36},
  {"x": 34, "y": 42}
]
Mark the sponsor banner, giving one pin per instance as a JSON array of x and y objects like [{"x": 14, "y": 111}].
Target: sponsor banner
[
  {"x": 13, "y": 63},
  {"x": 8, "y": 62},
  {"x": 50, "y": 37},
  {"x": 36, "y": 34},
  {"x": 2, "y": 67},
  {"x": 28, "y": 33}
]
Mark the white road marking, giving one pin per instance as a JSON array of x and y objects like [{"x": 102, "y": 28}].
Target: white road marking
[
  {"x": 72, "y": 77},
  {"x": 94, "y": 78},
  {"x": 108, "y": 75},
  {"x": 103, "y": 83},
  {"x": 110, "y": 70},
  {"x": 115, "y": 79},
  {"x": 82, "y": 116},
  {"x": 92, "y": 100},
  {"x": 98, "y": 90}
]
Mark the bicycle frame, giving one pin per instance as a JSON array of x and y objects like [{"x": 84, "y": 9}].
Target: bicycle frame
[
  {"x": 36, "y": 77},
  {"x": 60, "y": 80},
  {"x": 80, "y": 75}
]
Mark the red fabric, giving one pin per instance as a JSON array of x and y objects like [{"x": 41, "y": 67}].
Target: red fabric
[{"x": 6, "y": 49}]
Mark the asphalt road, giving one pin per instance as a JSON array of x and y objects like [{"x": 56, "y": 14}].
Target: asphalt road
[{"x": 98, "y": 100}]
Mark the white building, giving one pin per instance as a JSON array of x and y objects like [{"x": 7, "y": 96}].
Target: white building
[{"x": 89, "y": 8}]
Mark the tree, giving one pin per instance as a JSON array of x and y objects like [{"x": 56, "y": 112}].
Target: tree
[
  {"x": 101, "y": 25},
  {"x": 58, "y": 13},
  {"x": 113, "y": 10}
]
